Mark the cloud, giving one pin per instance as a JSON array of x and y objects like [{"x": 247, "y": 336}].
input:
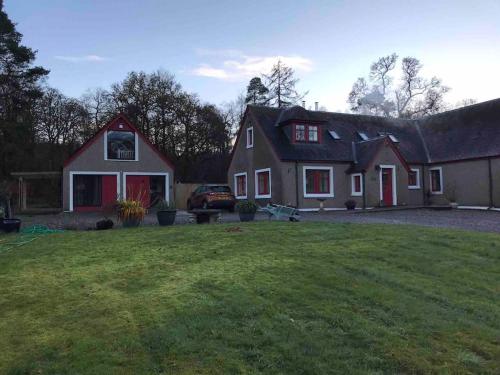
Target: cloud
[
  {"x": 86, "y": 58},
  {"x": 242, "y": 67}
]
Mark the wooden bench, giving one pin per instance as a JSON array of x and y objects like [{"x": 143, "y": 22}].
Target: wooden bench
[{"x": 201, "y": 216}]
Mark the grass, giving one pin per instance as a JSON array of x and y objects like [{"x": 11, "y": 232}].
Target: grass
[{"x": 285, "y": 298}]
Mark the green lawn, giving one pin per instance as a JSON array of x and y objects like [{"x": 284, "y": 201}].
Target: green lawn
[{"x": 286, "y": 298}]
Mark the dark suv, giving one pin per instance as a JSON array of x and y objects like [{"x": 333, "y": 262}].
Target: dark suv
[{"x": 212, "y": 196}]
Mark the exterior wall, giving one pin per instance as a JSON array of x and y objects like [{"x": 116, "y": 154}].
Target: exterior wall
[
  {"x": 466, "y": 182},
  {"x": 416, "y": 196},
  {"x": 386, "y": 156},
  {"x": 92, "y": 159},
  {"x": 248, "y": 160}
]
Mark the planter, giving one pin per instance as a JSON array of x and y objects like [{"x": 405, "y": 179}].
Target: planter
[
  {"x": 11, "y": 225},
  {"x": 166, "y": 217},
  {"x": 131, "y": 223},
  {"x": 104, "y": 224},
  {"x": 350, "y": 205},
  {"x": 247, "y": 216},
  {"x": 454, "y": 205}
]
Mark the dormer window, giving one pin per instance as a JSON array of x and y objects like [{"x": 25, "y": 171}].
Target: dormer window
[
  {"x": 121, "y": 145},
  {"x": 363, "y": 136},
  {"x": 306, "y": 133}
]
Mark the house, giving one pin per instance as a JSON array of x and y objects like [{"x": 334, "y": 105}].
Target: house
[
  {"x": 312, "y": 159},
  {"x": 118, "y": 162}
]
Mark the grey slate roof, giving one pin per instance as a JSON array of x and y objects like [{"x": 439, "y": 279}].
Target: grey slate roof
[{"x": 468, "y": 132}]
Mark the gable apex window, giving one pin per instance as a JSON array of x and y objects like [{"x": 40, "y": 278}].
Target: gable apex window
[
  {"x": 436, "y": 177},
  {"x": 263, "y": 183},
  {"x": 363, "y": 136},
  {"x": 414, "y": 179},
  {"x": 121, "y": 145},
  {"x": 306, "y": 133},
  {"x": 356, "y": 184},
  {"x": 250, "y": 137},
  {"x": 318, "y": 182}
]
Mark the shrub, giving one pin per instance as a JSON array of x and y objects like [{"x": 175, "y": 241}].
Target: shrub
[
  {"x": 163, "y": 205},
  {"x": 104, "y": 224},
  {"x": 129, "y": 209},
  {"x": 2, "y": 213},
  {"x": 350, "y": 204},
  {"x": 246, "y": 207}
]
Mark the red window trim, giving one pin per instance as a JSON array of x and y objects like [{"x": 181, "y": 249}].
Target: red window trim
[
  {"x": 306, "y": 133},
  {"x": 317, "y": 181},
  {"x": 266, "y": 190}
]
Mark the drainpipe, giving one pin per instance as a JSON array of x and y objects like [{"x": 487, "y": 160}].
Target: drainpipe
[
  {"x": 424, "y": 194},
  {"x": 490, "y": 180},
  {"x": 296, "y": 184},
  {"x": 364, "y": 189}
]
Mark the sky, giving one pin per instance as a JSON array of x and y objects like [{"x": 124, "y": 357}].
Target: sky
[{"x": 214, "y": 47}]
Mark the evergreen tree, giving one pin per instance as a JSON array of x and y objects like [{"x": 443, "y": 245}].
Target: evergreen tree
[
  {"x": 281, "y": 84},
  {"x": 256, "y": 92},
  {"x": 19, "y": 88}
]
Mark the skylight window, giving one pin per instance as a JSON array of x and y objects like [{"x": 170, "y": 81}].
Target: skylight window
[
  {"x": 363, "y": 136},
  {"x": 391, "y": 136},
  {"x": 334, "y": 134}
]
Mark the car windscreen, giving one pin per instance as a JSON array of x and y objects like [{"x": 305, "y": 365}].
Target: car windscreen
[{"x": 219, "y": 189}]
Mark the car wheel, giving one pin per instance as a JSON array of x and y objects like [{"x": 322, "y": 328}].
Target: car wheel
[
  {"x": 231, "y": 209},
  {"x": 205, "y": 205}
]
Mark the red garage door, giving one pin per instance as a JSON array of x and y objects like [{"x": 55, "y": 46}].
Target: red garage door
[{"x": 138, "y": 189}]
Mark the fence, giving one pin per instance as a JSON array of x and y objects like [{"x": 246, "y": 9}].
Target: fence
[{"x": 183, "y": 191}]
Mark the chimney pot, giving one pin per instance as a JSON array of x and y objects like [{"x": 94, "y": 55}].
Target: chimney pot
[
  {"x": 304, "y": 103},
  {"x": 316, "y": 106}
]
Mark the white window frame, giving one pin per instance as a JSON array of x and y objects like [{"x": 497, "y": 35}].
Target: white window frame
[
  {"x": 308, "y": 140},
  {"x": 98, "y": 173},
  {"x": 440, "y": 169},
  {"x": 360, "y": 192},
  {"x": 394, "y": 183},
  {"x": 331, "y": 194},
  {"x": 235, "y": 182},
  {"x": 136, "y": 151},
  {"x": 167, "y": 182},
  {"x": 417, "y": 186},
  {"x": 250, "y": 130},
  {"x": 257, "y": 195}
]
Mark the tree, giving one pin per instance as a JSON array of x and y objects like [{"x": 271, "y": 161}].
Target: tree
[
  {"x": 19, "y": 87},
  {"x": 281, "y": 84},
  {"x": 256, "y": 92},
  {"x": 411, "y": 97}
]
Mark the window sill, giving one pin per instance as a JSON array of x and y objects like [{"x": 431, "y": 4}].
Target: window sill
[
  {"x": 360, "y": 194},
  {"x": 319, "y": 196},
  {"x": 437, "y": 192},
  {"x": 241, "y": 197},
  {"x": 265, "y": 196},
  {"x": 413, "y": 187}
]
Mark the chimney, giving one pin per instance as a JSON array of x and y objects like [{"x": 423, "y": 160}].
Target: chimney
[
  {"x": 304, "y": 103},
  {"x": 316, "y": 106}
]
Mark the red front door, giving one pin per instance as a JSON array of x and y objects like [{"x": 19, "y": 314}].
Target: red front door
[
  {"x": 138, "y": 189},
  {"x": 387, "y": 192}
]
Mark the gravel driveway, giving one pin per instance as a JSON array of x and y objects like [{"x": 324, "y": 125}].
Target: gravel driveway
[{"x": 484, "y": 221}]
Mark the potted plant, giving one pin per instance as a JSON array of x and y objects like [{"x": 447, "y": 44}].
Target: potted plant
[
  {"x": 130, "y": 212},
  {"x": 246, "y": 210},
  {"x": 350, "y": 204},
  {"x": 166, "y": 213},
  {"x": 106, "y": 222}
]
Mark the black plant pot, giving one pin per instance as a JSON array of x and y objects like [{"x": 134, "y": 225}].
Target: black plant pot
[
  {"x": 11, "y": 225},
  {"x": 350, "y": 205},
  {"x": 131, "y": 223},
  {"x": 166, "y": 217},
  {"x": 246, "y": 216}
]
